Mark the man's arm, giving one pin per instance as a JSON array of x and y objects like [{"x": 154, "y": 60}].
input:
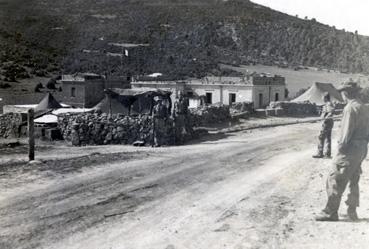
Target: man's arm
[{"x": 348, "y": 124}]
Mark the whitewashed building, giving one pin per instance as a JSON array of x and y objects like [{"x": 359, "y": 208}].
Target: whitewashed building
[{"x": 261, "y": 89}]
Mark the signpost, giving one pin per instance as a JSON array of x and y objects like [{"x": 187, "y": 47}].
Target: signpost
[{"x": 31, "y": 135}]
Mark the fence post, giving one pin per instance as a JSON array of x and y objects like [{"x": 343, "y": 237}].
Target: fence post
[{"x": 31, "y": 135}]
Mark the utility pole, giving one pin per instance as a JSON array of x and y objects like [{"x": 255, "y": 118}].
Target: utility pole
[{"x": 31, "y": 135}]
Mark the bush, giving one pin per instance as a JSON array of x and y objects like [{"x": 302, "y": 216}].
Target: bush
[
  {"x": 51, "y": 84},
  {"x": 5, "y": 85},
  {"x": 38, "y": 87}
]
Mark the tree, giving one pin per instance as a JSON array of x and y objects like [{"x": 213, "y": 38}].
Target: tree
[
  {"x": 51, "y": 84},
  {"x": 38, "y": 87}
]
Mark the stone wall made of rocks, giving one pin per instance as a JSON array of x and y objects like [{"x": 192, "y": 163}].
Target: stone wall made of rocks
[
  {"x": 99, "y": 129},
  {"x": 242, "y": 107},
  {"x": 208, "y": 115},
  {"x": 295, "y": 109},
  {"x": 10, "y": 124}
]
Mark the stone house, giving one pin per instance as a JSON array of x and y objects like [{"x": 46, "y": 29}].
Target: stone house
[
  {"x": 82, "y": 90},
  {"x": 87, "y": 89},
  {"x": 261, "y": 89}
]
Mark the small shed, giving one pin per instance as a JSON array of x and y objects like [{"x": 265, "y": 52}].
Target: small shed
[{"x": 132, "y": 101}]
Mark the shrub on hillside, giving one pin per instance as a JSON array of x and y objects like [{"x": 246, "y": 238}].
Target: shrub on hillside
[
  {"x": 38, "y": 87},
  {"x": 4, "y": 85},
  {"x": 51, "y": 84}
]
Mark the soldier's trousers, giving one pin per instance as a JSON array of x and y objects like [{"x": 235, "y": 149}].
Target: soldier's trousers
[
  {"x": 325, "y": 137},
  {"x": 159, "y": 125},
  {"x": 346, "y": 169},
  {"x": 180, "y": 129}
]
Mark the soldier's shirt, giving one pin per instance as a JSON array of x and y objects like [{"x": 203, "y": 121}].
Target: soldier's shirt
[
  {"x": 327, "y": 111},
  {"x": 160, "y": 111},
  {"x": 354, "y": 124}
]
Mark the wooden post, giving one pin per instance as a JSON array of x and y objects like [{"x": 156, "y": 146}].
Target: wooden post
[{"x": 31, "y": 135}]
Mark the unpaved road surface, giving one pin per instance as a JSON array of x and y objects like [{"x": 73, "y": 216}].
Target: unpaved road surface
[{"x": 256, "y": 189}]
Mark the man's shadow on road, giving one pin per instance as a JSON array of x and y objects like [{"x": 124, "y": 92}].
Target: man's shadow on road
[{"x": 360, "y": 220}]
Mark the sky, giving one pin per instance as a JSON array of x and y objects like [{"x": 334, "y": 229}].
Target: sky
[{"x": 344, "y": 14}]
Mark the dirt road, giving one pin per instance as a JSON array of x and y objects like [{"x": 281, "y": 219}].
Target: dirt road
[{"x": 256, "y": 189}]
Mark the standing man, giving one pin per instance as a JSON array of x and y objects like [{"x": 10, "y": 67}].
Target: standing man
[
  {"x": 180, "y": 111},
  {"x": 352, "y": 150},
  {"x": 160, "y": 113},
  {"x": 327, "y": 126}
]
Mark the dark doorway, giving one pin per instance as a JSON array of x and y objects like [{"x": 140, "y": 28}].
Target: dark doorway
[
  {"x": 232, "y": 98},
  {"x": 73, "y": 92},
  {"x": 209, "y": 98},
  {"x": 261, "y": 103},
  {"x": 277, "y": 97}
]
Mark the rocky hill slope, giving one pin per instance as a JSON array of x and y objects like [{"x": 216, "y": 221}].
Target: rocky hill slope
[{"x": 185, "y": 37}]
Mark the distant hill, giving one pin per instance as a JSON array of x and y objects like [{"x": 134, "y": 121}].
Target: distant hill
[{"x": 186, "y": 37}]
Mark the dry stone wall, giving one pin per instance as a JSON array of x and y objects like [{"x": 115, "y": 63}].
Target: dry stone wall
[
  {"x": 10, "y": 125},
  {"x": 99, "y": 129},
  {"x": 208, "y": 115},
  {"x": 295, "y": 109},
  {"x": 241, "y": 107}
]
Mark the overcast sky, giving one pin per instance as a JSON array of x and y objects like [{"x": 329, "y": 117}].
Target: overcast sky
[{"x": 348, "y": 14}]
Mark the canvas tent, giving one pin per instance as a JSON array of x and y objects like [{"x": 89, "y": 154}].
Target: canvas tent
[
  {"x": 132, "y": 101},
  {"x": 316, "y": 92},
  {"x": 48, "y": 103}
]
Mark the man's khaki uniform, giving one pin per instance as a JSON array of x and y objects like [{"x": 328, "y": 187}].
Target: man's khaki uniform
[
  {"x": 180, "y": 111},
  {"x": 326, "y": 131},
  {"x": 160, "y": 113},
  {"x": 352, "y": 150}
]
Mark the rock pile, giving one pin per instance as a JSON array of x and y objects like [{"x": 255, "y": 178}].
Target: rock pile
[
  {"x": 242, "y": 107},
  {"x": 208, "y": 115},
  {"x": 295, "y": 109},
  {"x": 10, "y": 124},
  {"x": 99, "y": 129}
]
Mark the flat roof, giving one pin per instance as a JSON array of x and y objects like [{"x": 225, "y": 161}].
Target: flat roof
[
  {"x": 79, "y": 77},
  {"x": 128, "y": 45}
]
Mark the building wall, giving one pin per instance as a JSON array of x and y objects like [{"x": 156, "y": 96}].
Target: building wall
[
  {"x": 172, "y": 86},
  {"x": 221, "y": 88},
  {"x": 243, "y": 94},
  {"x": 86, "y": 93},
  {"x": 202, "y": 90},
  {"x": 78, "y": 99},
  {"x": 117, "y": 82},
  {"x": 94, "y": 93},
  {"x": 267, "y": 95}
]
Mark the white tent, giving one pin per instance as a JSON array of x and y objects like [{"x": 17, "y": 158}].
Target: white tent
[{"x": 316, "y": 93}]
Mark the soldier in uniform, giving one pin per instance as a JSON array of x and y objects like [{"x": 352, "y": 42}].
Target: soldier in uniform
[
  {"x": 327, "y": 126},
  {"x": 160, "y": 113},
  {"x": 180, "y": 110},
  {"x": 352, "y": 150}
]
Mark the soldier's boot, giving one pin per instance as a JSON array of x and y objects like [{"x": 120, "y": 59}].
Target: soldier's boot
[
  {"x": 323, "y": 216},
  {"x": 318, "y": 155},
  {"x": 352, "y": 214},
  {"x": 327, "y": 155}
]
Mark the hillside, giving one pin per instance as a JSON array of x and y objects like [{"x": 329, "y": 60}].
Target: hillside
[
  {"x": 304, "y": 78},
  {"x": 187, "y": 38}
]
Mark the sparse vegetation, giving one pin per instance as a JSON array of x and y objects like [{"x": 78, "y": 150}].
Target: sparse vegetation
[
  {"x": 38, "y": 87},
  {"x": 187, "y": 39},
  {"x": 51, "y": 84},
  {"x": 5, "y": 85}
]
